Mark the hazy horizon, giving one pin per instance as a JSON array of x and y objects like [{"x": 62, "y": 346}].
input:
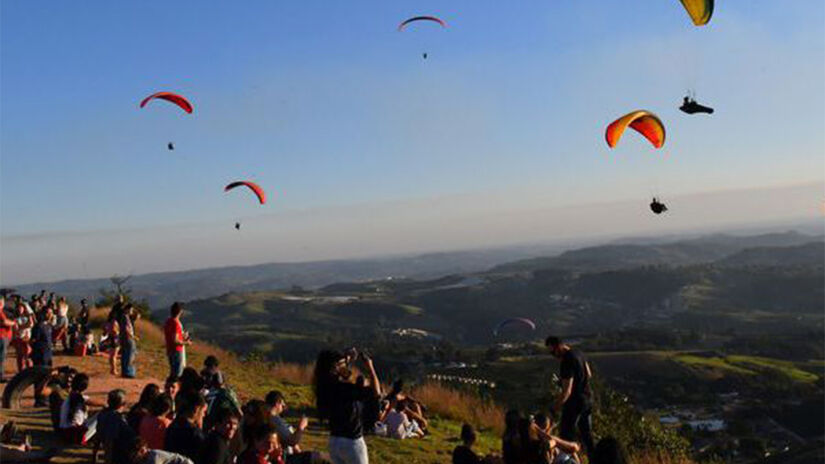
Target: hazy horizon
[{"x": 297, "y": 237}]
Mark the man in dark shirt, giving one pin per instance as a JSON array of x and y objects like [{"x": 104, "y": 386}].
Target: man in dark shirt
[
  {"x": 575, "y": 400},
  {"x": 216, "y": 449},
  {"x": 113, "y": 433},
  {"x": 184, "y": 435}
]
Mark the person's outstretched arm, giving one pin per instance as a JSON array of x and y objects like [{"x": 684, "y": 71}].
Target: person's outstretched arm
[{"x": 374, "y": 382}]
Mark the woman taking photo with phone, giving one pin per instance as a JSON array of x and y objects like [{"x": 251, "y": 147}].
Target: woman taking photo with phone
[{"x": 341, "y": 402}]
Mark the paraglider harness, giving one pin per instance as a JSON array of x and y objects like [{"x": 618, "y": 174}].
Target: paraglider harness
[
  {"x": 690, "y": 106},
  {"x": 657, "y": 207}
]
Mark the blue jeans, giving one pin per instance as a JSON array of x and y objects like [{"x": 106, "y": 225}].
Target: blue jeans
[
  {"x": 4, "y": 347},
  {"x": 177, "y": 361},
  {"x": 348, "y": 451},
  {"x": 128, "y": 350}
]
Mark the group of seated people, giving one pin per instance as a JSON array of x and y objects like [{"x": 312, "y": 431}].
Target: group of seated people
[
  {"x": 401, "y": 416},
  {"x": 530, "y": 440},
  {"x": 193, "y": 419}
]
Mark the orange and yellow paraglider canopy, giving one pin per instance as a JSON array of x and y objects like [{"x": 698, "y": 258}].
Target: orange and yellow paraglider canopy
[
  {"x": 643, "y": 122},
  {"x": 700, "y": 11}
]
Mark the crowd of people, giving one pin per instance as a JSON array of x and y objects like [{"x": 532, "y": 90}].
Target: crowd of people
[
  {"x": 196, "y": 418},
  {"x": 193, "y": 419}
]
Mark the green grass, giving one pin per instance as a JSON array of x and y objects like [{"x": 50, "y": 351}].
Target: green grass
[
  {"x": 718, "y": 363},
  {"x": 786, "y": 367}
]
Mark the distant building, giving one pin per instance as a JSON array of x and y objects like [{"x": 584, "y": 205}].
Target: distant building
[{"x": 707, "y": 425}]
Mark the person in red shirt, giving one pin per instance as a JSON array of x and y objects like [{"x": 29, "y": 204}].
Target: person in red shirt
[
  {"x": 6, "y": 326},
  {"x": 176, "y": 340},
  {"x": 264, "y": 447}
]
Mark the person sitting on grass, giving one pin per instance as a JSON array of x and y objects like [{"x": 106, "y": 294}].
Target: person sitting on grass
[
  {"x": 185, "y": 434},
  {"x": 264, "y": 448},
  {"x": 75, "y": 424},
  {"x": 171, "y": 388},
  {"x": 545, "y": 448},
  {"x": 113, "y": 433},
  {"x": 153, "y": 425},
  {"x": 399, "y": 426},
  {"x": 211, "y": 374},
  {"x": 217, "y": 448},
  {"x": 464, "y": 454},
  {"x": 289, "y": 437},
  {"x": 141, "y": 409},
  {"x": 414, "y": 409}
]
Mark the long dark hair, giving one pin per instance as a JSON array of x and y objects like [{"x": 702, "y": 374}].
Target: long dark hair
[
  {"x": 147, "y": 396},
  {"x": 324, "y": 376},
  {"x": 80, "y": 383}
]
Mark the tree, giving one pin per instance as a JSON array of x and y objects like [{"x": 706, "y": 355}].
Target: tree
[{"x": 119, "y": 288}]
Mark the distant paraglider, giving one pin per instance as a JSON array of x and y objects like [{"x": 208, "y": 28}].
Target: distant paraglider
[
  {"x": 690, "y": 106},
  {"x": 657, "y": 207},
  {"x": 179, "y": 100},
  {"x": 237, "y": 226},
  {"x": 404, "y": 23},
  {"x": 513, "y": 321},
  {"x": 256, "y": 189},
  {"x": 643, "y": 122},
  {"x": 699, "y": 11},
  {"x": 434, "y": 19},
  {"x": 170, "y": 146}
]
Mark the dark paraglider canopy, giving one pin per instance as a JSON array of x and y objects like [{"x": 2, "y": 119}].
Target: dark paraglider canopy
[
  {"x": 170, "y": 146},
  {"x": 424, "y": 55},
  {"x": 237, "y": 226},
  {"x": 657, "y": 207},
  {"x": 690, "y": 106}
]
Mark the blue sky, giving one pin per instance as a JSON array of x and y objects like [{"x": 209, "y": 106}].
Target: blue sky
[{"x": 327, "y": 106}]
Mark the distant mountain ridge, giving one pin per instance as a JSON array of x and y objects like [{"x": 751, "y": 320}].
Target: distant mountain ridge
[
  {"x": 700, "y": 250},
  {"x": 162, "y": 288}
]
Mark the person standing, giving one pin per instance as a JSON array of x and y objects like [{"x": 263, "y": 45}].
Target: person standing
[
  {"x": 6, "y": 326},
  {"x": 176, "y": 340},
  {"x": 21, "y": 336},
  {"x": 41, "y": 340},
  {"x": 61, "y": 327},
  {"x": 341, "y": 402},
  {"x": 128, "y": 342},
  {"x": 575, "y": 400}
]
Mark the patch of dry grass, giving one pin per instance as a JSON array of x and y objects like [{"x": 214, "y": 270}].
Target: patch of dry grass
[{"x": 461, "y": 406}]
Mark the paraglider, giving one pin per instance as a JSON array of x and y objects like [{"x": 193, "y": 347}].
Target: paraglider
[
  {"x": 404, "y": 23},
  {"x": 170, "y": 146},
  {"x": 699, "y": 11},
  {"x": 237, "y": 226},
  {"x": 179, "y": 100},
  {"x": 690, "y": 106},
  {"x": 256, "y": 189},
  {"x": 643, "y": 122},
  {"x": 657, "y": 207},
  {"x": 515, "y": 320}
]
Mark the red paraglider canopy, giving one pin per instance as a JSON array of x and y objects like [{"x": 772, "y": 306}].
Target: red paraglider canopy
[
  {"x": 170, "y": 97},
  {"x": 259, "y": 192},
  {"x": 421, "y": 18}
]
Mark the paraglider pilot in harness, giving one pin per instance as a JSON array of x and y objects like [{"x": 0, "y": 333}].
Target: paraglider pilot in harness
[
  {"x": 690, "y": 106},
  {"x": 657, "y": 207}
]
